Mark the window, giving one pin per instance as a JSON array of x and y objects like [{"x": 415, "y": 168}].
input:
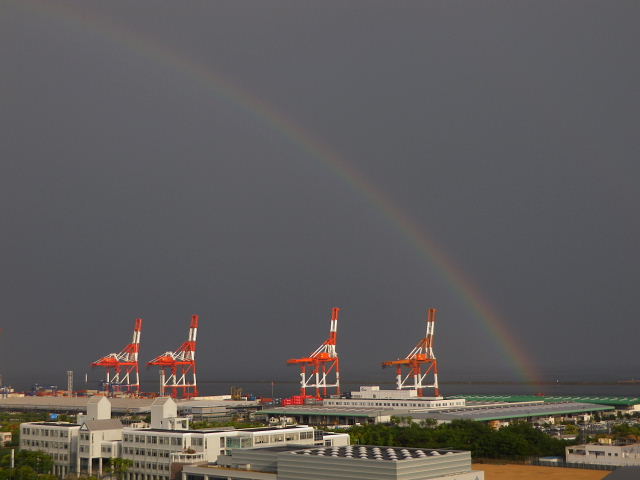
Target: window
[
  {"x": 259, "y": 439},
  {"x": 234, "y": 442}
]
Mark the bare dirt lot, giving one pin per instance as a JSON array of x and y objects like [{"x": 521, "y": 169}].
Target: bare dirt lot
[{"x": 529, "y": 472}]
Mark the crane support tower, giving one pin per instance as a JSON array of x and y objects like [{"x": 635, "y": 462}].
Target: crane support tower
[
  {"x": 178, "y": 369},
  {"x": 122, "y": 368},
  {"x": 421, "y": 355},
  {"x": 317, "y": 370}
]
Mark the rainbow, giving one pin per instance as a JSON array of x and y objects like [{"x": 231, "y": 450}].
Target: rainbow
[{"x": 266, "y": 113}]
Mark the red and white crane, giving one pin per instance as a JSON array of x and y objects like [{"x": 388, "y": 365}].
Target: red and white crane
[
  {"x": 122, "y": 368},
  {"x": 321, "y": 369},
  {"x": 421, "y": 355},
  {"x": 178, "y": 369}
]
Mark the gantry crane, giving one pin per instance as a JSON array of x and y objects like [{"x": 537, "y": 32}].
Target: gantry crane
[
  {"x": 421, "y": 355},
  {"x": 323, "y": 364}
]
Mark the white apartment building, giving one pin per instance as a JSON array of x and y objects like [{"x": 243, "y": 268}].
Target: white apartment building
[
  {"x": 58, "y": 439},
  {"x": 160, "y": 452},
  {"x": 372, "y": 396}
]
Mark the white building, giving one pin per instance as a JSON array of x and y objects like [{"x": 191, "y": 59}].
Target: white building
[
  {"x": 372, "y": 396},
  {"x": 603, "y": 454},
  {"x": 58, "y": 439},
  {"x": 99, "y": 439},
  {"x": 159, "y": 452}
]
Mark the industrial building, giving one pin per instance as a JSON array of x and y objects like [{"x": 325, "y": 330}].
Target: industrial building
[
  {"x": 357, "y": 462},
  {"x": 372, "y": 396},
  {"x": 200, "y": 409},
  {"x": 372, "y": 405}
]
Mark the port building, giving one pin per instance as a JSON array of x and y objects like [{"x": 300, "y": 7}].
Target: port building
[{"x": 372, "y": 405}]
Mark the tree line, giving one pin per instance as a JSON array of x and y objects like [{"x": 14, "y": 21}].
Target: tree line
[{"x": 516, "y": 441}]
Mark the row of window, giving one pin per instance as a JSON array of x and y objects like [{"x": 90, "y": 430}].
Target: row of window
[
  {"x": 597, "y": 453},
  {"x": 146, "y": 452},
  {"x": 45, "y": 444},
  {"x": 60, "y": 457},
  {"x": 152, "y": 439},
  {"x": 142, "y": 476},
  {"x": 44, "y": 432},
  {"x": 151, "y": 466}
]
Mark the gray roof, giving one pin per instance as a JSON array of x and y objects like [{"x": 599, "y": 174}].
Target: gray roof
[
  {"x": 508, "y": 411},
  {"x": 624, "y": 473},
  {"x": 108, "y": 424}
]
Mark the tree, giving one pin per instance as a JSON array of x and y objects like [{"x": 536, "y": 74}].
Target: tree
[
  {"x": 119, "y": 467},
  {"x": 39, "y": 462}
]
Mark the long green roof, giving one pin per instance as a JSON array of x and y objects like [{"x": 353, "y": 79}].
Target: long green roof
[{"x": 615, "y": 401}]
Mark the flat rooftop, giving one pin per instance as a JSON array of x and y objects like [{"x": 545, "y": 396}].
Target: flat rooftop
[
  {"x": 385, "y": 454},
  {"x": 601, "y": 400},
  {"x": 480, "y": 412},
  {"x": 56, "y": 424},
  {"x": 507, "y": 411},
  {"x": 332, "y": 411}
]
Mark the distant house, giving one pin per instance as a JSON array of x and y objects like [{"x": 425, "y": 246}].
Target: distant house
[{"x": 5, "y": 438}]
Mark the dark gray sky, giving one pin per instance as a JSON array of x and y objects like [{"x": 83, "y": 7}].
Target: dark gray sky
[{"x": 507, "y": 130}]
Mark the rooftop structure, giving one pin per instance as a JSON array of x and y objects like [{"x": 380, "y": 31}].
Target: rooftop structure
[{"x": 357, "y": 462}]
